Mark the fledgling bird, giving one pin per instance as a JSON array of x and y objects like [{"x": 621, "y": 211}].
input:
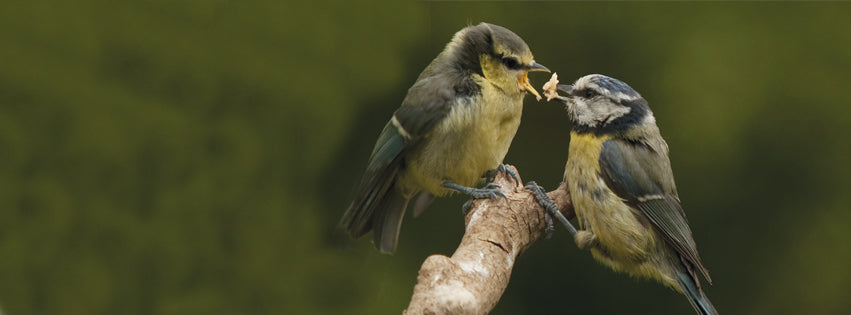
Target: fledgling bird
[
  {"x": 455, "y": 124},
  {"x": 622, "y": 187}
]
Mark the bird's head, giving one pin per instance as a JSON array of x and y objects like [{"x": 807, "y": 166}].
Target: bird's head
[
  {"x": 499, "y": 55},
  {"x": 602, "y": 104}
]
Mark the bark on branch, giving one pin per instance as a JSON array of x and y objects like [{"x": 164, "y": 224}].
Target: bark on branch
[{"x": 497, "y": 231}]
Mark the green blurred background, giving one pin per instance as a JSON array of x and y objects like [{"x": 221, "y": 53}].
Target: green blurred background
[{"x": 193, "y": 157}]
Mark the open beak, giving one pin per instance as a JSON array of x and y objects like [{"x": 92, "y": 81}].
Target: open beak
[{"x": 523, "y": 79}]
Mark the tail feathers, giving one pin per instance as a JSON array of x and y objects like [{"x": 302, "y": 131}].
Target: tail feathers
[
  {"x": 382, "y": 212},
  {"x": 373, "y": 195},
  {"x": 695, "y": 295},
  {"x": 423, "y": 200},
  {"x": 388, "y": 221},
  {"x": 378, "y": 204}
]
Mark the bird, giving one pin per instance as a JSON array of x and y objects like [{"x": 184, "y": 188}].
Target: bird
[
  {"x": 622, "y": 187},
  {"x": 453, "y": 128}
]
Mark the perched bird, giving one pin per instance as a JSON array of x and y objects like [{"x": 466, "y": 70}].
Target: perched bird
[
  {"x": 622, "y": 187},
  {"x": 455, "y": 124}
]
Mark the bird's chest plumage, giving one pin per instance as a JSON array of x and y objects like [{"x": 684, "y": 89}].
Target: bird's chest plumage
[
  {"x": 472, "y": 139},
  {"x": 619, "y": 232}
]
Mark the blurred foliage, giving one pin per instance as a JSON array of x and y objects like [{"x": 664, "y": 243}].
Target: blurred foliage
[{"x": 193, "y": 157}]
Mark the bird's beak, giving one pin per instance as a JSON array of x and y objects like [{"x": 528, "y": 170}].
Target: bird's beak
[
  {"x": 523, "y": 79},
  {"x": 567, "y": 88},
  {"x": 538, "y": 67}
]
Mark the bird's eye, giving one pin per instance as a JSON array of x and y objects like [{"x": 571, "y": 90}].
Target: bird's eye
[
  {"x": 589, "y": 93},
  {"x": 511, "y": 63}
]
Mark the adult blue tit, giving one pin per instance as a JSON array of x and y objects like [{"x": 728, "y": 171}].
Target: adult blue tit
[
  {"x": 455, "y": 124},
  {"x": 622, "y": 187}
]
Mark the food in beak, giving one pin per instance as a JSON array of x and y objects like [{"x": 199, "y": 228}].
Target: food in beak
[{"x": 551, "y": 87}]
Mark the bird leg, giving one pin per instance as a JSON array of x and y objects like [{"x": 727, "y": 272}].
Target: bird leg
[
  {"x": 552, "y": 209},
  {"x": 490, "y": 191}
]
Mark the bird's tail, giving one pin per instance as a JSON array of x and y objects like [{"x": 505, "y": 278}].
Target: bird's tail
[
  {"x": 382, "y": 212},
  {"x": 379, "y": 205},
  {"x": 695, "y": 295},
  {"x": 388, "y": 221}
]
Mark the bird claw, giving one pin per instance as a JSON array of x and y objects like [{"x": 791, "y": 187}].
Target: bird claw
[
  {"x": 487, "y": 192},
  {"x": 465, "y": 208},
  {"x": 550, "y": 227},
  {"x": 509, "y": 171},
  {"x": 490, "y": 191},
  {"x": 490, "y": 176},
  {"x": 550, "y": 207}
]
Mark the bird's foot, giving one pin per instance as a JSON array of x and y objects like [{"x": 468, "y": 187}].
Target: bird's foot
[
  {"x": 490, "y": 191},
  {"x": 465, "y": 208},
  {"x": 551, "y": 208},
  {"x": 490, "y": 175}
]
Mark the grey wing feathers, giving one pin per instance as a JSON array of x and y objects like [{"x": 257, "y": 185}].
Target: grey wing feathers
[
  {"x": 376, "y": 183},
  {"x": 379, "y": 205},
  {"x": 427, "y": 103},
  {"x": 640, "y": 173}
]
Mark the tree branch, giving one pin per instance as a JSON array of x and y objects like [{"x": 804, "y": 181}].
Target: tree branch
[{"x": 497, "y": 231}]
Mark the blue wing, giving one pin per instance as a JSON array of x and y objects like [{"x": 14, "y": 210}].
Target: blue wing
[{"x": 640, "y": 173}]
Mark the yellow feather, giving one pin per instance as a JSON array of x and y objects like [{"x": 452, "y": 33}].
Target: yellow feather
[
  {"x": 472, "y": 139},
  {"x": 626, "y": 243}
]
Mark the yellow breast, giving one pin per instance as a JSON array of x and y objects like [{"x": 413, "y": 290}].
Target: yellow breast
[
  {"x": 472, "y": 139},
  {"x": 599, "y": 210}
]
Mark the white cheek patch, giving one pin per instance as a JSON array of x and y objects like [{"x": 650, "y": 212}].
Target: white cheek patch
[
  {"x": 600, "y": 114},
  {"x": 581, "y": 113},
  {"x": 614, "y": 112}
]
